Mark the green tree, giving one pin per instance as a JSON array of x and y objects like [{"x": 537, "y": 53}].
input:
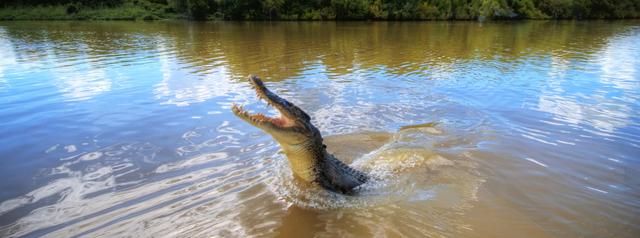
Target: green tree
[
  {"x": 350, "y": 9},
  {"x": 198, "y": 9},
  {"x": 526, "y": 9},
  {"x": 271, "y": 7},
  {"x": 344, "y": 9}
]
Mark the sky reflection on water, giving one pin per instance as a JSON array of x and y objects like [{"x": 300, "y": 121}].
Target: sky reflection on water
[{"x": 113, "y": 128}]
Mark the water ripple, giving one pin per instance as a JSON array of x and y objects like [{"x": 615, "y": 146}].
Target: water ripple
[{"x": 119, "y": 128}]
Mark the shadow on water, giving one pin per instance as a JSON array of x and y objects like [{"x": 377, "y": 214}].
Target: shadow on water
[{"x": 299, "y": 222}]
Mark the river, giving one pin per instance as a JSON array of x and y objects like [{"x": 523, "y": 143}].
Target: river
[{"x": 505, "y": 129}]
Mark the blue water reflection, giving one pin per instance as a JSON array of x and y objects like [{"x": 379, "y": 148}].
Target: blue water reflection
[{"x": 114, "y": 128}]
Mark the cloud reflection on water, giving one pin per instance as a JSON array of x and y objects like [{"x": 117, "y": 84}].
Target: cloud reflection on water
[
  {"x": 218, "y": 176},
  {"x": 604, "y": 106}
]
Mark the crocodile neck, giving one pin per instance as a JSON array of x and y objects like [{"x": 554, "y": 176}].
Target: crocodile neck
[
  {"x": 312, "y": 163},
  {"x": 335, "y": 175}
]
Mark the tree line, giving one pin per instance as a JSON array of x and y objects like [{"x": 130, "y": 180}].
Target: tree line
[{"x": 364, "y": 9}]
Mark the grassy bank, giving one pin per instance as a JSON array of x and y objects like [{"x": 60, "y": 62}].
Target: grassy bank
[
  {"x": 317, "y": 9},
  {"x": 73, "y": 11}
]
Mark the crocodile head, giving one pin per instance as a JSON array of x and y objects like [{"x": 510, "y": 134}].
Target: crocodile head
[{"x": 292, "y": 129}]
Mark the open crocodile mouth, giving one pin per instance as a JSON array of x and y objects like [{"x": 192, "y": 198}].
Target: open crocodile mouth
[{"x": 282, "y": 120}]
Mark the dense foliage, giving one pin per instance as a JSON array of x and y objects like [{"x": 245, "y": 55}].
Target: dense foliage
[{"x": 358, "y": 9}]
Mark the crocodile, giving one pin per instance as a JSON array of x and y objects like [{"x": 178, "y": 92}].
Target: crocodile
[{"x": 301, "y": 142}]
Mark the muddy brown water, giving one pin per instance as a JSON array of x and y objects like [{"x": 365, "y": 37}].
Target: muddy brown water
[{"x": 493, "y": 129}]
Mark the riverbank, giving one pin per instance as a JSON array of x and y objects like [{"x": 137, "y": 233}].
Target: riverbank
[
  {"x": 126, "y": 11},
  {"x": 325, "y": 10}
]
